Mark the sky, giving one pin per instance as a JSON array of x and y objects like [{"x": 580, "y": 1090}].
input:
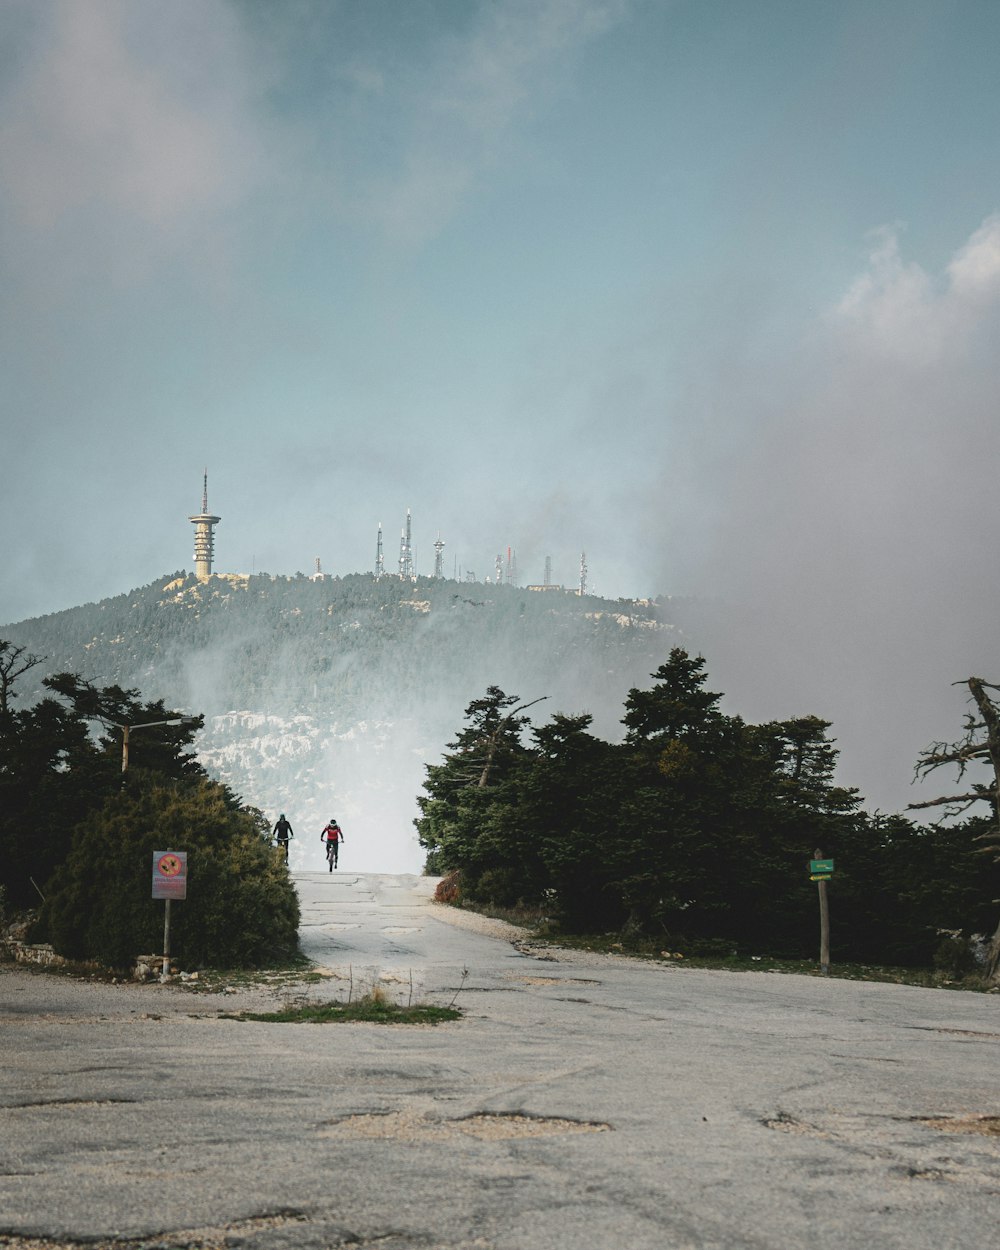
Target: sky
[{"x": 708, "y": 290}]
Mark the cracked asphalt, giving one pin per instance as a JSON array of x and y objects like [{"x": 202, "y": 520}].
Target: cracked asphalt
[{"x": 582, "y": 1102}]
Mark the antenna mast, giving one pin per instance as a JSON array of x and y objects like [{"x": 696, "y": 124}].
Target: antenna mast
[
  {"x": 406, "y": 552},
  {"x": 379, "y": 561},
  {"x": 204, "y": 536},
  {"x": 439, "y": 558}
]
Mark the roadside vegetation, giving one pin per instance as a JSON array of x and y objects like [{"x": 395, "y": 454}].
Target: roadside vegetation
[
  {"x": 78, "y": 833},
  {"x": 694, "y": 835},
  {"x": 372, "y": 1008},
  {"x": 937, "y": 977}
]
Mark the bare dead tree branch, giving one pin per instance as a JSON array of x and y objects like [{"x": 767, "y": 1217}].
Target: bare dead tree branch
[
  {"x": 966, "y": 680},
  {"x": 948, "y": 799},
  {"x": 981, "y": 742},
  {"x": 14, "y": 662},
  {"x": 494, "y": 738},
  {"x": 942, "y": 754}
]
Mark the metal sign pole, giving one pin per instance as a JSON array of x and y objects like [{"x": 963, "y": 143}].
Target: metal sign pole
[
  {"x": 166, "y": 940},
  {"x": 169, "y": 882},
  {"x": 824, "y": 924}
]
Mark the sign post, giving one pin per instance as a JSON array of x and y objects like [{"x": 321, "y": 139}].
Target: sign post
[
  {"x": 169, "y": 882},
  {"x": 820, "y": 871}
]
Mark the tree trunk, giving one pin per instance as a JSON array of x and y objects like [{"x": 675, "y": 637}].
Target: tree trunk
[
  {"x": 991, "y": 722},
  {"x": 993, "y": 958}
]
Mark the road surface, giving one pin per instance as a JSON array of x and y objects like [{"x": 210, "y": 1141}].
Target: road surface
[{"x": 582, "y": 1103}]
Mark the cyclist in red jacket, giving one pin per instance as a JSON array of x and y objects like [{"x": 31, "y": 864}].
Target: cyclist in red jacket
[{"x": 332, "y": 835}]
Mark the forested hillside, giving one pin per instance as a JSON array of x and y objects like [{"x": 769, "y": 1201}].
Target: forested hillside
[
  {"x": 620, "y": 805},
  {"x": 328, "y": 696}
]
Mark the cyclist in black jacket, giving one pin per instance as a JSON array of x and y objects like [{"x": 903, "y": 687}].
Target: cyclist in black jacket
[{"x": 282, "y": 832}]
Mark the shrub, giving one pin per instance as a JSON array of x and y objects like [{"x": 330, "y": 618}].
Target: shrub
[
  {"x": 955, "y": 956},
  {"x": 241, "y": 908},
  {"x": 449, "y": 888},
  {"x": 499, "y": 887}
]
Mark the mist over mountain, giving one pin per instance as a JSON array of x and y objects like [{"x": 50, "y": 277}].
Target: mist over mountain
[{"x": 328, "y": 696}]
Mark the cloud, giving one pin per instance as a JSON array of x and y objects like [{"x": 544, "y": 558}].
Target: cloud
[
  {"x": 845, "y": 509},
  {"x": 126, "y": 123},
  {"x": 850, "y": 426},
  {"x": 897, "y": 310},
  {"x": 459, "y": 113},
  {"x": 364, "y": 76}
]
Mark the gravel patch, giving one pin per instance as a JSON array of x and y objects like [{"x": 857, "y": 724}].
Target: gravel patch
[
  {"x": 30, "y": 996},
  {"x": 475, "y": 923}
]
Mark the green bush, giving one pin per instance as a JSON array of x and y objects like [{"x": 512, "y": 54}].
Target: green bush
[
  {"x": 954, "y": 955},
  {"x": 241, "y": 908},
  {"x": 498, "y": 887}
]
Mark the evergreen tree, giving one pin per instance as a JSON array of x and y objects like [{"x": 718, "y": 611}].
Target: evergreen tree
[
  {"x": 241, "y": 909},
  {"x": 460, "y": 791},
  {"x": 979, "y": 745},
  {"x": 54, "y": 771}
]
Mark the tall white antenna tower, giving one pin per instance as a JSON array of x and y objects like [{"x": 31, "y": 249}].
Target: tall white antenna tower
[
  {"x": 204, "y": 535},
  {"x": 379, "y": 560},
  {"x": 406, "y": 552},
  {"x": 439, "y": 558},
  {"x": 583, "y": 572}
]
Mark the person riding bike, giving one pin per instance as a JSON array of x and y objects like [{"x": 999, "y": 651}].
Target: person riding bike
[
  {"x": 282, "y": 832},
  {"x": 332, "y": 835}
]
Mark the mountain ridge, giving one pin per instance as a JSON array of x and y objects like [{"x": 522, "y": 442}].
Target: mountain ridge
[{"x": 330, "y": 694}]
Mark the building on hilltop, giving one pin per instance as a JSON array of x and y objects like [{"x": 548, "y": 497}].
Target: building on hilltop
[{"x": 204, "y": 536}]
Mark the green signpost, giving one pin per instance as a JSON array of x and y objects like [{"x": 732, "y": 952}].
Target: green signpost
[{"x": 820, "y": 871}]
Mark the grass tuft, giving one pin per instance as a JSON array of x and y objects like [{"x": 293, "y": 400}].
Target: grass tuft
[{"x": 373, "y": 1008}]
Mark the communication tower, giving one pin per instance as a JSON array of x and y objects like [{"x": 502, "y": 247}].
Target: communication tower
[
  {"x": 547, "y": 580},
  {"x": 498, "y": 569},
  {"x": 204, "y": 536},
  {"x": 438, "y": 557},
  {"x": 379, "y": 559},
  {"x": 583, "y": 573},
  {"x": 406, "y": 552}
]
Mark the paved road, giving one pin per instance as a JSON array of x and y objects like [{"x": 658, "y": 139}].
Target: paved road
[
  {"x": 583, "y": 1103},
  {"x": 364, "y": 929}
]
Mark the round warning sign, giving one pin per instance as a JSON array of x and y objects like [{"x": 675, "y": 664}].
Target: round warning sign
[{"x": 169, "y": 874}]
